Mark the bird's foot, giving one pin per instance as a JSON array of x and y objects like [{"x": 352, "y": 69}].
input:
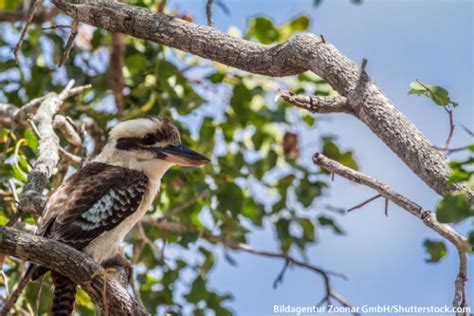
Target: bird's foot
[{"x": 120, "y": 268}]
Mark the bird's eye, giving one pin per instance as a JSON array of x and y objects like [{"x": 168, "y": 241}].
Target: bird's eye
[{"x": 149, "y": 139}]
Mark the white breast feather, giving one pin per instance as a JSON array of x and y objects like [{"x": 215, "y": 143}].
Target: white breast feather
[{"x": 107, "y": 245}]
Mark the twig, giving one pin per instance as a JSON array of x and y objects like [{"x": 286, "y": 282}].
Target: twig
[
  {"x": 16, "y": 294},
  {"x": 57, "y": 26},
  {"x": 451, "y": 127},
  {"x": 116, "y": 79},
  {"x": 449, "y": 151},
  {"x": 210, "y": 20},
  {"x": 460, "y": 300},
  {"x": 154, "y": 248},
  {"x": 69, "y": 156},
  {"x": 323, "y": 39},
  {"x": 364, "y": 203},
  {"x": 179, "y": 208},
  {"x": 467, "y": 130},
  {"x": 5, "y": 282},
  {"x": 68, "y": 129},
  {"x": 70, "y": 42},
  {"x": 29, "y": 19},
  {"x": 281, "y": 275},
  {"x": 386, "y": 207},
  {"x": 364, "y": 64}
]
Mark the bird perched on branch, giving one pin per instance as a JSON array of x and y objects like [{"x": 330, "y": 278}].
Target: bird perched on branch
[{"x": 97, "y": 206}]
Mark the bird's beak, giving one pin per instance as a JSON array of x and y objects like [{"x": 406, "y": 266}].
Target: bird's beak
[{"x": 181, "y": 156}]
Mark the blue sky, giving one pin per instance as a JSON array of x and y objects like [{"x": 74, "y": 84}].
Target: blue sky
[{"x": 383, "y": 257}]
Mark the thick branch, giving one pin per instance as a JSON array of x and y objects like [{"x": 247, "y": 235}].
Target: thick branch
[
  {"x": 48, "y": 149},
  {"x": 73, "y": 264},
  {"x": 301, "y": 53}
]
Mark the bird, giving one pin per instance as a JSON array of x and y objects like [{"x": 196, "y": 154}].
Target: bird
[{"x": 97, "y": 206}]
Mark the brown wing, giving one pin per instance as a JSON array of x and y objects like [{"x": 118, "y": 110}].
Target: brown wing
[{"x": 95, "y": 199}]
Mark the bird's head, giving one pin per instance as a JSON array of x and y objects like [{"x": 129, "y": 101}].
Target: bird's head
[{"x": 151, "y": 144}]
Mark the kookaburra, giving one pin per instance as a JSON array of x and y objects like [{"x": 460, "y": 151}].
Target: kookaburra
[{"x": 97, "y": 206}]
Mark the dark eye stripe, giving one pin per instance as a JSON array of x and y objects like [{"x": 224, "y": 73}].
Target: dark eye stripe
[
  {"x": 127, "y": 143},
  {"x": 149, "y": 139}
]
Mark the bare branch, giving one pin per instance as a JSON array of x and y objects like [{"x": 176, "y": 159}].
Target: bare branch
[
  {"x": 16, "y": 294},
  {"x": 317, "y": 104},
  {"x": 69, "y": 157},
  {"x": 364, "y": 203},
  {"x": 451, "y": 127},
  {"x": 117, "y": 62},
  {"x": 281, "y": 275},
  {"x": 460, "y": 299},
  {"x": 427, "y": 217},
  {"x": 210, "y": 20},
  {"x": 68, "y": 130},
  {"x": 32, "y": 198},
  {"x": 21, "y": 15},
  {"x": 70, "y": 42},
  {"x": 29, "y": 19}
]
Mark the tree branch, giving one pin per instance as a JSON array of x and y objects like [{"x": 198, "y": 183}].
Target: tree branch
[
  {"x": 427, "y": 217},
  {"x": 21, "y": 15},
  {"x": 32, "y": 198},
  {"x": 302, "y": 52},
  {"x": 73, "y": 264}
]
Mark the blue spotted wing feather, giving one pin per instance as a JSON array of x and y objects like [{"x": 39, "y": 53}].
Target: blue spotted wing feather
[{"x": 95, "y": 199}]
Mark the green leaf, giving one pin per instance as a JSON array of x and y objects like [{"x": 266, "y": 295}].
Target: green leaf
[
  {"x": 31, "y": 140},
  {"x": 326, "y": 221},
  {"x": 209, "y": 259},
  {"x": 9, "y": 4},
  {"x": 308, "y": 229},
  {"x": 136, "y": 64},
  {"x": 438, "y": 94},
  {"x": 198, "y": 291},
  {"x": 300, "y": 24},
  {"x": 263, "y": 29},
  {"x": 331, "y": 150},
  {"x": 453, "y": 209},
  {"x": 231, "y": 198},
  {"x": 471, "y": 238},
  {"x": 436, "y": 249},
  {"x": 307, "y": 191}
]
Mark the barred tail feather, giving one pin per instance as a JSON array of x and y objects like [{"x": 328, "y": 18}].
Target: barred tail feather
[{"x": 64, "y": 295}]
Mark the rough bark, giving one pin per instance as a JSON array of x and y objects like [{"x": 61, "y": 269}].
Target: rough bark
[
  {"x": 73, "y": 264},
  {"x": 301, "y": 53}
]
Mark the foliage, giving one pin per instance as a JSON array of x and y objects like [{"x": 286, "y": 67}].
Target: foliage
[
  {"x": 436, "y": 249},
  {"x": 250, "y": 182}
]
